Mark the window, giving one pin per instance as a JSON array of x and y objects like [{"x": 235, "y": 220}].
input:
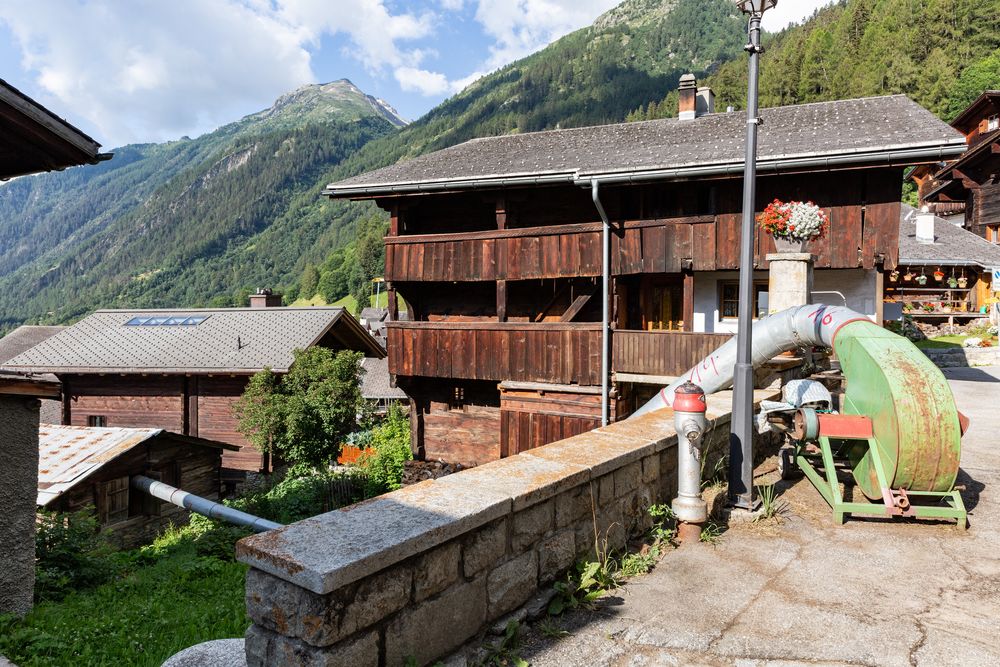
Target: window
[
  {"x": 457, "y": 401},
  {"x": 166, "y": 321},
  {"x": 993, "y": 123},
  {"x": 97, "y": 420},
  {"x": 115, "y": 508},
  {"x": 729, "y": 299},
  {"x": 993, "y": 233}
]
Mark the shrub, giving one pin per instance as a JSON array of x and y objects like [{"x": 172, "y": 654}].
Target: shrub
[
  {"x": 388, "y": 451},
  {"x": 70, "y": 554}
]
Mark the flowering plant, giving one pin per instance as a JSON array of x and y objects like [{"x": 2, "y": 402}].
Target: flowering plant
[{"x": 794, "y": 220}]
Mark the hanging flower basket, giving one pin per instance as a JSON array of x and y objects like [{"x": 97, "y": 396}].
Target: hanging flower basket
[
  {"x": 894, "y": 276},
  {"x": 793, "y": 224}
]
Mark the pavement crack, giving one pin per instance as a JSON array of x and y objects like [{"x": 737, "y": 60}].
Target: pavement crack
[{"x": 756, "y": 596}]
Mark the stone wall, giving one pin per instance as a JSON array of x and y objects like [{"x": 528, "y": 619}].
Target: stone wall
[
  {"x": 417, "y": 573},
  {"x": 18, "y": 490},
  {"x": 960, "y": 357}
]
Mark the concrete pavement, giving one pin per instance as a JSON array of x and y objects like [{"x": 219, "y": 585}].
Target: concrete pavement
[{"x": 808, "y": 592}]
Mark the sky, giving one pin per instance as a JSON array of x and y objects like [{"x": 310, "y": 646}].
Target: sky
[{"x": 133, "y": 71}]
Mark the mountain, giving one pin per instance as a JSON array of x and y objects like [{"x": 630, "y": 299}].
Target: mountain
[
  {"x": 941, "y": 53},
  {"x": 165, "y": 224}
]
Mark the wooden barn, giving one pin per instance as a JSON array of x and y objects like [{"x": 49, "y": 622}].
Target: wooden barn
[
  {"x": 80, "y": 467},
  {"x": 182, "y": 370},
  {"x": 495, "y": 246}
]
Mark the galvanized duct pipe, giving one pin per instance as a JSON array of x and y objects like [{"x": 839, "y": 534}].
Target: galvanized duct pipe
[
  {"x": 209, "y": 508},
  {"x": 595, "y": 194},
  {"x": 801, "y": 326}
]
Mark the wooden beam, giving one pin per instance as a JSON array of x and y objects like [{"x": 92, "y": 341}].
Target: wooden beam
[
  {"x": 501, "y": 300},
  {"x": 552, "y": 302},
  {"x": 688, "y": 301},
  {"x": 394, "y": 220},
  {"x": 393, "y": 303},
  {"x": 501, "y": 211},
  {"x": 577, "y": 305}
]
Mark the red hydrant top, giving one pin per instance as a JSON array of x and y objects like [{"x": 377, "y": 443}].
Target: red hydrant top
[{"x": 689, "y": 397}]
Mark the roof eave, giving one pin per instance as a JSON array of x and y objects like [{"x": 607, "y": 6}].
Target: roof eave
[{"x": 897, "y": 156}]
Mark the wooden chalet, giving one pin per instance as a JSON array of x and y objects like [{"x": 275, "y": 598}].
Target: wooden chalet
[
  {"x": 495, "y": 247},
  {"x": 182, "y": 370},
  {"x": 970, "y": 184},
  {"x": 80, "y": 467}
]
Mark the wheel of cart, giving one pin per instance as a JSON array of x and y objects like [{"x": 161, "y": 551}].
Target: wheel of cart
[{"x": 787, "y": 467}]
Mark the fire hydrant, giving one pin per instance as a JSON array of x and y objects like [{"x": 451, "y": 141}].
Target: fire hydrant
[{"x": 689, "y": 422}]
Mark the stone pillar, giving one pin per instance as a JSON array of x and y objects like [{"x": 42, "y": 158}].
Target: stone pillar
[
  {"x": 18, "y": 491},
  {"x": 790, "y": 280}
]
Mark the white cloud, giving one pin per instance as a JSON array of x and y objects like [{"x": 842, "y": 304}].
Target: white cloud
[
  {"x": 144, "y": 71},
  {"x": 521, "y": 27},
  {"x": 453, "y": 5},
  {"x": 416, "y": 80}
]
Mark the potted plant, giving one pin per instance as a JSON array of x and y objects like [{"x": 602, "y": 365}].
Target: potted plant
[
  {"x": 894, "y": 276},
  {"x": 908, "y": 278},
  {"x": 963, "y": 282},
  {"x": 952, "y": 282},
  {"x": 928, "y": 307},
  {"x": 922, "y": 278},
  {"x": 793, "y": 224},
  {"x": 938, "y": 275}
]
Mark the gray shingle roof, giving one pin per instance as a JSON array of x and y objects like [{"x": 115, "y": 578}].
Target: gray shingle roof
[
  {"x": 375, "y": 383},
  {"x": 235, "y": 340},
  {"x": 854, "y": 128},
  {"x": 24, "y": 338},
  {"x": 953, "y": 245}
]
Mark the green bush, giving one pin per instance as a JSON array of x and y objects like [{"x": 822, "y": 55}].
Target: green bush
[
  {"x": 70, "y": 554},
  {"x": 384, "y": 460}
]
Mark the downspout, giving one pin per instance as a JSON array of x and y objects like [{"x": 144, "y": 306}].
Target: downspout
[
  {"x": 605, "y": 310},
  {"x": 204, "y": 506}
]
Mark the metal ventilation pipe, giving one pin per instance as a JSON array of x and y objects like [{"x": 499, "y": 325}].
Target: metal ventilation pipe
[
  {"x": 801, "y": 326},
  {"x": 203, "y": 506},
  {"x": 690, "y": 423}
]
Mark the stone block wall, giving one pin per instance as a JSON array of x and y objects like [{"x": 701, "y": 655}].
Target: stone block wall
[
  {"x": 415, "y": 574},
  {"x": 18, "y": 491}
]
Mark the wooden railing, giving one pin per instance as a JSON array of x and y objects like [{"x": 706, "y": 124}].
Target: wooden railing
[
  {"x": 559, "y": 353},
  {"x": 557, "y": 251},
  {"x": 661, "y": 352}
]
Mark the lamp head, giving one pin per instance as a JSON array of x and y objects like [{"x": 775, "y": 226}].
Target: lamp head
[{"x": 755, "y": 6}]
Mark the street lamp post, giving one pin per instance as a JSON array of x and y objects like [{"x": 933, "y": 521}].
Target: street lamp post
[{"x": 741, "y": 438}]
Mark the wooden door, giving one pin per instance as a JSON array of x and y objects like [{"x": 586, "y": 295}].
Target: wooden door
[{"x": 663, "y": 303}]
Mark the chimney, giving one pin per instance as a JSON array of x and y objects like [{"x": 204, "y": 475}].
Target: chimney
[
  {"x": 687, "y": 105},
  {"x": 925, "y": 226},
  {"x": 265, "y": 298},
  {"x": 705, "y": 102}
]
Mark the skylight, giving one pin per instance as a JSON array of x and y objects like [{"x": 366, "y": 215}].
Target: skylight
[{"x": 166, "y": 321}]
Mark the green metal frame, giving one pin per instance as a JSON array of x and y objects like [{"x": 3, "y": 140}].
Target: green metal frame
[{"x": 829, "y": 487}]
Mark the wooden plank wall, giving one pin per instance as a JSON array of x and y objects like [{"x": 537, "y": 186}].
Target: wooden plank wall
[
  {"x": 530, "y": 419},
  {"x": 216, "y": 420},
  {"x": 558, "y": 353},
  {"x": 661, "y": 352},
  {"x": 131, "y": 401}
]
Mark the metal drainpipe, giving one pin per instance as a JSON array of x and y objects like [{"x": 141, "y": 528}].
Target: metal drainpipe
[
  {"x": 605, "y": 310},
  {"x": 204, "y": 506}
]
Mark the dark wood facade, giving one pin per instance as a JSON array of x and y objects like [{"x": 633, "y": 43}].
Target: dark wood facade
[
  {"x": 181, "y": 462},
  {"x": 503, "y": 290}
]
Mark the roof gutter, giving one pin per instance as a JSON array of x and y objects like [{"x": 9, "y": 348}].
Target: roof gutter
[
  {"x": 902, "y": 157},
  {"x": 910, "y": 261}
]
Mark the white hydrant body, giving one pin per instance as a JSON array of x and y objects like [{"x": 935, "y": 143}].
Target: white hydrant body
[{"x": 690, "y": 423}]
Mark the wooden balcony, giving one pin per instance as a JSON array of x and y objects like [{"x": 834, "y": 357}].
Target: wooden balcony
[
  {"x": 661, "y": 352},
  {"x": 557, "y": 251},
  {"x": 557, "y": 353}
]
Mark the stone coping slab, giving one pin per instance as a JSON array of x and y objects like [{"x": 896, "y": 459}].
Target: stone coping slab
[{"x": 335, "y": 549}]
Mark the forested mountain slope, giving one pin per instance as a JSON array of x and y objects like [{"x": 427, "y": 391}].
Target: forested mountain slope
[{"x": 159, "y": 224}]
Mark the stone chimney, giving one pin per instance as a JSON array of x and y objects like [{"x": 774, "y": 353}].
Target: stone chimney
[
  {"x": 687, "y": 106},
  {"x": 265, "y": 298}
]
